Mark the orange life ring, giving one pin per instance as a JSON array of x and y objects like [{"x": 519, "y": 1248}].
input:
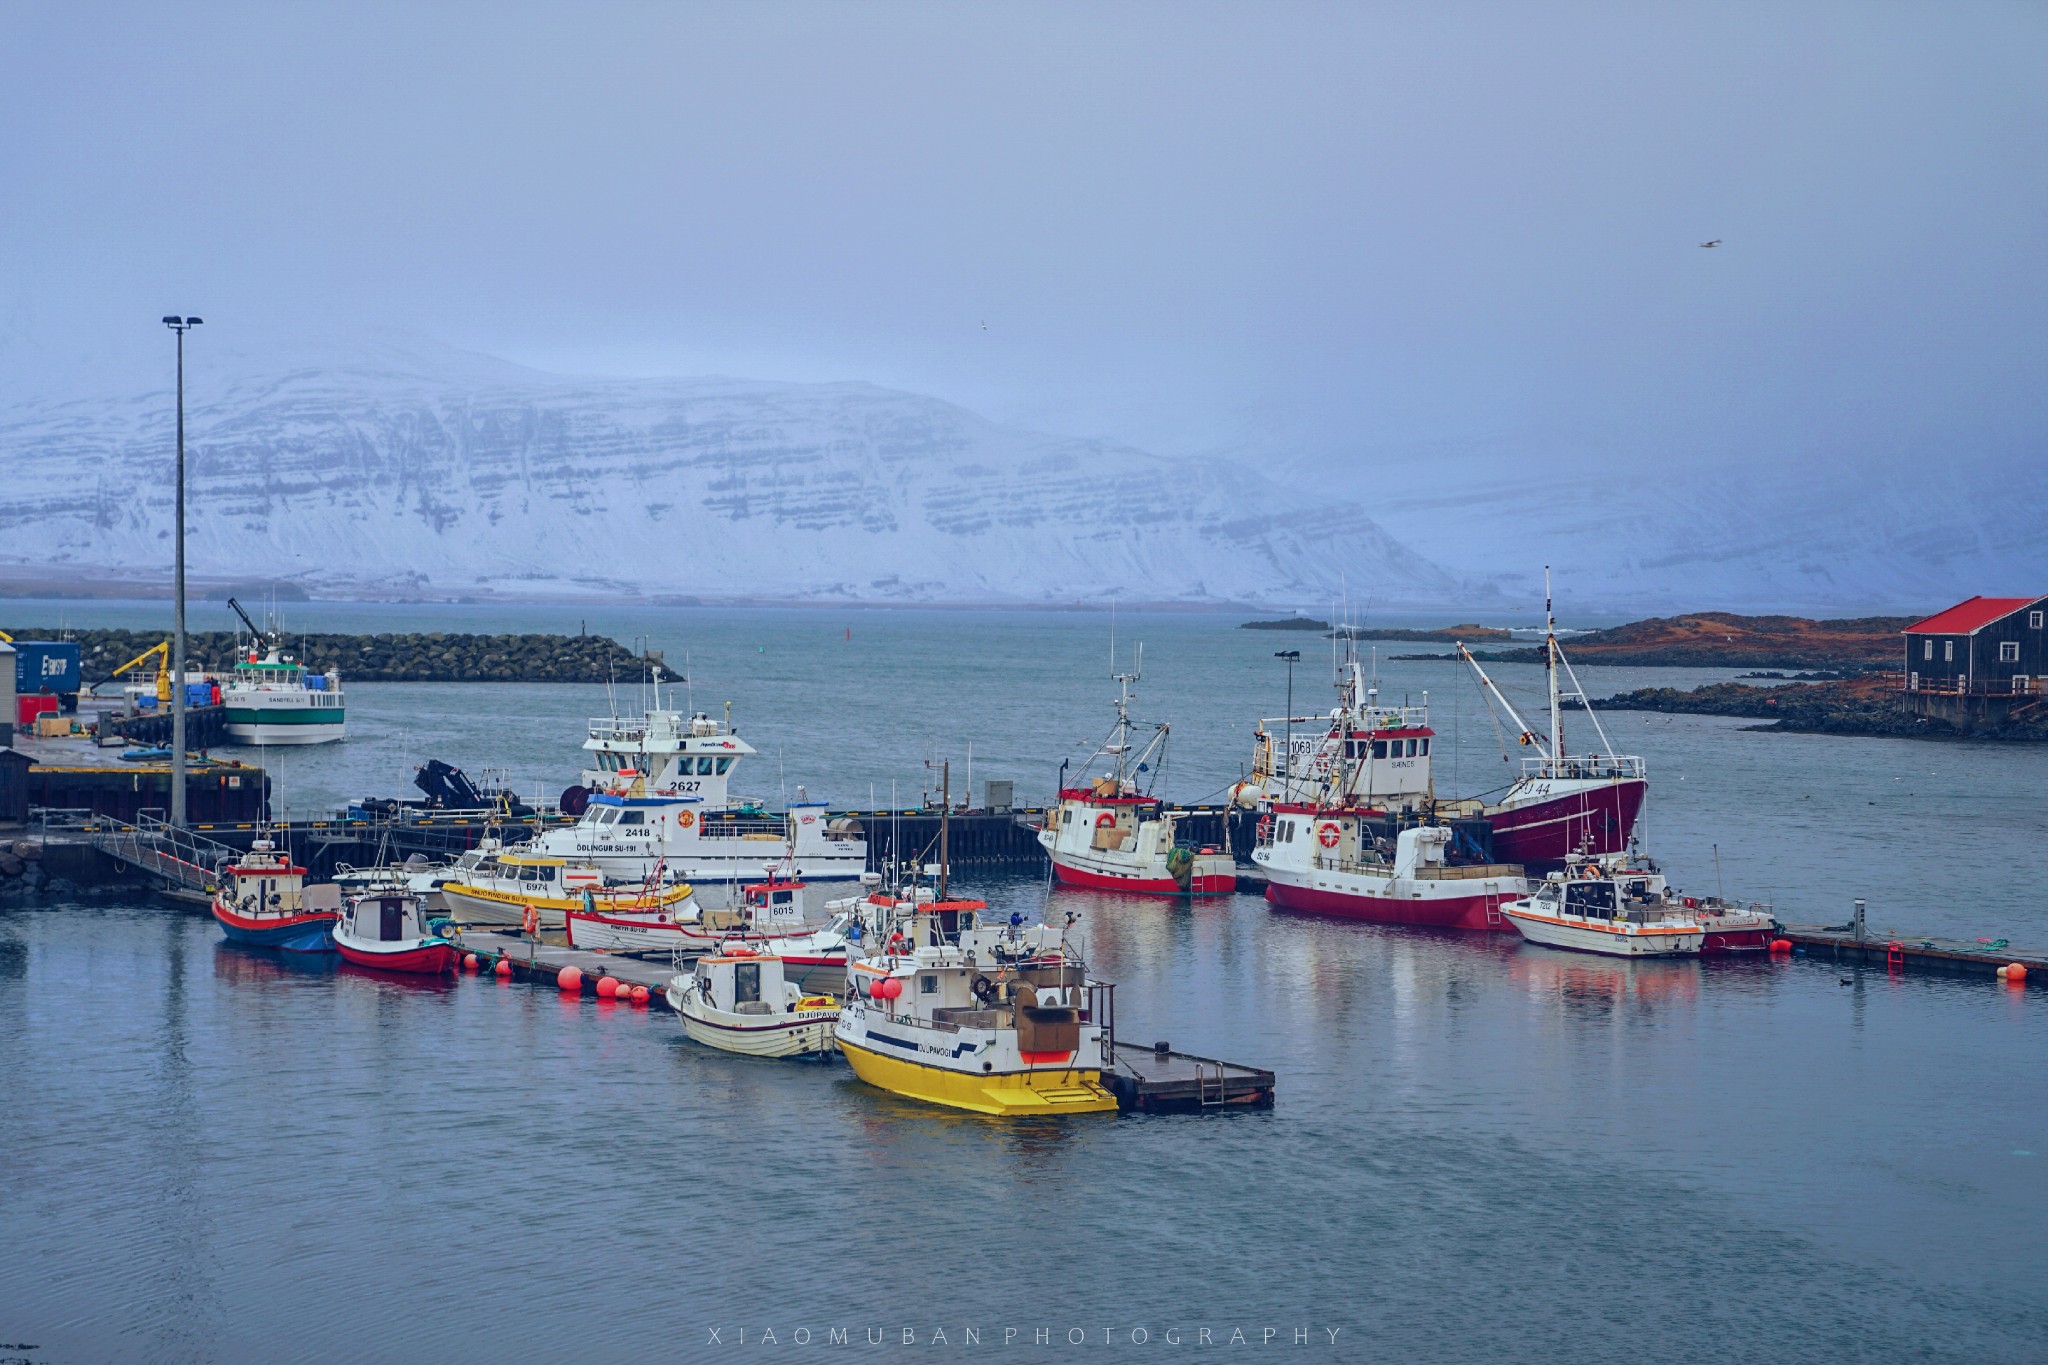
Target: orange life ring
[
  {"x": 686, "y": 819},
  {"x": 1104, "y": 820},
  {"x": 1265, "y": 826},
  {"x": 1328, "y": 833},
  {"x": 530, "y": 921}
]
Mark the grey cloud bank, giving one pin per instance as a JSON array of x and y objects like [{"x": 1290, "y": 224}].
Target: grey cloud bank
[{"x": 1438, "y": 263}]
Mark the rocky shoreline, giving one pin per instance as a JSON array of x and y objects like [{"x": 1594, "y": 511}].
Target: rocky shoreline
[
  {"x": 436, "y": 656},
  {"x": 1857, "y": 706}
]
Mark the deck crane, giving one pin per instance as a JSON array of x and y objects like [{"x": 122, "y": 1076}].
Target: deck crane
[{"x": 162, "y": 654}]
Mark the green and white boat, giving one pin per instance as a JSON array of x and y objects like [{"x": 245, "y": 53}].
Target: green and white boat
[{"x": 272, "y": 699}]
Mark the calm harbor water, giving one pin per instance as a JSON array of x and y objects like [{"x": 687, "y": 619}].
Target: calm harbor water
[{"x": 1482, "y": 1151}]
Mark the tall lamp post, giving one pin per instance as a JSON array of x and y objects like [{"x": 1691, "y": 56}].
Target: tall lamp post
[
  {"x": 1293, "y": 657},
  {"x": 180, "y": 326}
]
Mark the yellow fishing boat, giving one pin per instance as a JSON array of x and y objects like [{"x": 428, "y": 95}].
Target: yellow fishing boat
[
  {"x": 500, "y": 889},
  {"x": 948, "y": 1010}
]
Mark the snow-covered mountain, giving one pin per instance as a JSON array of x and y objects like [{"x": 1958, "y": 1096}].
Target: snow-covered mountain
[{"x": 405, "y": 467}]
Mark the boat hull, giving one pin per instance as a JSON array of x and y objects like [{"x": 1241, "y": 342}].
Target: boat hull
[
  {"x": 1718, "y": 942},
  {"x": 434, "y": 957},
  {"x": 1480, "y": 911},
  {"x": 1595, "y": 819},
  {"x": 762, "y": 1036},
  {"x": 312, "y": 933},
  {"x": 1647, "y": 941},
  {"x": 1200, "y": 884},
  {"x": 270, "y": 733},
  {"x": 1036, "y": 1091}
]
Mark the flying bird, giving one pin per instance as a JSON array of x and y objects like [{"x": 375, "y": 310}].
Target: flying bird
[{"x": 1715, "y": 242}]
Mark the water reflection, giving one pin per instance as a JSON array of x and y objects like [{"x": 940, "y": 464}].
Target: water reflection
[{"x": 1602, "y": 988}]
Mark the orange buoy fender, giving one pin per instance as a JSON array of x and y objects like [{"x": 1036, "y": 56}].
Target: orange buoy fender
[
  {"x": 470, "y": 962},
  {"x": 888, "y": 988},
  {"x": 503, "y": 968},
  {"x": 607, "y": 987},
  {"x": 2016, "y": 972},
  {"x": 640, "y": 995},
  {"x": 570, "y": 978}
]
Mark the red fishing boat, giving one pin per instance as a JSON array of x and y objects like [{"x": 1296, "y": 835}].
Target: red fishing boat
[{"x": 387, "y": 928}]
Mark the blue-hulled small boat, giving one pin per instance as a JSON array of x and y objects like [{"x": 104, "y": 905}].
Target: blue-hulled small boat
[{"x": 264, "y": 902}]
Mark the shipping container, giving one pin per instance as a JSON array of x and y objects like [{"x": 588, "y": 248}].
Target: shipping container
[
  {"x": 26, "y": 709},
  {"x": 47, "y": 666}
]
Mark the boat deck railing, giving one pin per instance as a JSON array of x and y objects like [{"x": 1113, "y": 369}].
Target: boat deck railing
[{"x": 1585, "y": 765}]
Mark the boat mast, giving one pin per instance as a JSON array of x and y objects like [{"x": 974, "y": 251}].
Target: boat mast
[
  {"x": 1550, "y": 672},
  {"x": 945, "y": 824}
]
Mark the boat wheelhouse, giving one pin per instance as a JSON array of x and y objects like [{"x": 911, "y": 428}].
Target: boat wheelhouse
[
  {"x": 663, "y": 753},
  {"x": 1362, "y": 752}
]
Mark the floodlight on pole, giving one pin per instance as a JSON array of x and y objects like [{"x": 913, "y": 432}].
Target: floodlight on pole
[{"x": 1292, "y": 657}]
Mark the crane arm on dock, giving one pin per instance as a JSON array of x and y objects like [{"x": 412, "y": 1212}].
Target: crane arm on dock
[{"x": 162, "y": 654}]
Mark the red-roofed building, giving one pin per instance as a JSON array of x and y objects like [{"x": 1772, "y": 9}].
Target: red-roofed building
[{"x": 1985, "y": 647}]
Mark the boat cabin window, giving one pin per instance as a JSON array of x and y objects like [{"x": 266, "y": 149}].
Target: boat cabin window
[
  {"x": 1066, "y": 817},
  {"x": 1594, "y": 900},
  {"x": 723, "y": 764},
  {"x": 746, "y": 982},
  {"x": 632, "y": 817},
  {"x": 547, "y": 874},
  {"x": 529, "y": 874},
  {"x": 1379, "y": 748},
  {"x": 1425, "y": 748},
  {"x": 928, "y": 984}
]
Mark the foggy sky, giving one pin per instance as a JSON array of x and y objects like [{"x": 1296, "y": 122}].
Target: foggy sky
[{"x": 1325, "y": 232}]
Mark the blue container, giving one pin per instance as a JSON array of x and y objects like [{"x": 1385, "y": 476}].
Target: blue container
[
  {"x": 198, "y": 694},
  {"x": 316, "y": 682},
  {"x": 46, "y": 666}
]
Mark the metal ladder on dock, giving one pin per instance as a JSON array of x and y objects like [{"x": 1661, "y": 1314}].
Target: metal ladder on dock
[
  {"x": 177, "y": 856},
  {"x": 1202, "y": 1095}
]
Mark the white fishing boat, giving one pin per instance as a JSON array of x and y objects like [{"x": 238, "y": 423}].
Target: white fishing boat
[
  {"x": 1329, "y": 860},
  {"x": 933, "y": 1014},
  {"x": 742, "y": 1001},
  {"x": 270, "y": 698},
  {"x": 1113, "y": 834},
  {"x": 1604, "y": 906}
]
